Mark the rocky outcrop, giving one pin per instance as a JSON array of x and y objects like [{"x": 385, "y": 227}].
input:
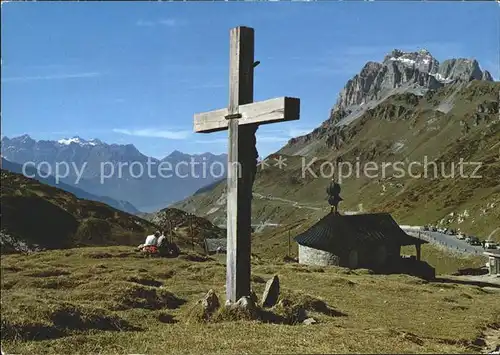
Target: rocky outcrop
[
  {"x": 461, "y": 69},
  {"x": 174, "y": 219}
]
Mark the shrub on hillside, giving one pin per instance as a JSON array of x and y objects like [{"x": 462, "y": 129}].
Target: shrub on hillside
[
  {"x": 25, "y": 217},
  {"x": 93, "y": 231}
]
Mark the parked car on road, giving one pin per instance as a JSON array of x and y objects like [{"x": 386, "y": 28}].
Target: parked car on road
[
  {"x": 461, "y": 236},
  {"x": 474, "y": 240},
  {"x": 490, "y": 244}
]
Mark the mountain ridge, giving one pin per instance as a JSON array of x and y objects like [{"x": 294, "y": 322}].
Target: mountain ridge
[{"x": 119, "y": 171}]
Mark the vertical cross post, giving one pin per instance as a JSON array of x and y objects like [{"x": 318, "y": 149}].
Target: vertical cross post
[
  {"x": 240, "y": 165},
  {"x": 242, "y": 118},
  {"x": 170, "y": 231},
  {"x": 289, "y": 253},
  {"x": 191, "y": 229}
]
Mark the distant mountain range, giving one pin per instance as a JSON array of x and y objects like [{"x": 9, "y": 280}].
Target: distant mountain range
[{"x": 119, "y": 172}]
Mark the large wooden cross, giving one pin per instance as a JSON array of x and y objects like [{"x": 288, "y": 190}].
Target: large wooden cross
[{"x": 241, "y": 119}]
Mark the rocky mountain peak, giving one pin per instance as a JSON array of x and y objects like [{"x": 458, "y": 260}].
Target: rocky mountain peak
[
  {"x": 421, "y": 60},
  {"x": 23, "y": 139},
  {"x": 176, "y": 156},
  {"x": 400, "y": 72}
]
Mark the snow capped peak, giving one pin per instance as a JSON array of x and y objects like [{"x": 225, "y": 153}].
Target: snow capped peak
[
  {"x": 78, "y": 140},
  {"x": 68, "y": 141},
  {"x": 422, "y": 60},
  {"x": 404, "y": 60}
]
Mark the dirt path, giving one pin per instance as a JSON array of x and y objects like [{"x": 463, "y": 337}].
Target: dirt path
[
  {"x": 288, "y": 202},
  {"x": 297, "y": 204}
]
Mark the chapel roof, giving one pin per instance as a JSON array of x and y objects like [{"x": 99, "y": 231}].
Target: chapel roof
[{"x": 335, "y": 231}]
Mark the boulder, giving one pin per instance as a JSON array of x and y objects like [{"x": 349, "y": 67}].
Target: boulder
[
  {"x": 210, "y": 302},
  {"x": 243, "y": 309},
  {"x": 245, "y": 303},
  {"x": 309, "y": 321},
  {"x": 271, "y": 292}
]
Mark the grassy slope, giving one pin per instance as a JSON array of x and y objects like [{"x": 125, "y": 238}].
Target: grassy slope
[
  {"x": 423, "y": 132},
  {"x": 58, "y": 219},
  {"x": 78, "y": 299},
  {"x": 53, "y": 218}
]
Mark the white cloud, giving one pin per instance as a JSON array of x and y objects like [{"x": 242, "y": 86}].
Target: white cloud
[
  {"x": 168, "y": 22},
  {"x": 143, "y": 23},
  {"x": 272, "y": 139},
  {"x": 267, "y": 136},
  {"x": 212, "y": 141},
  {"x": 296, "y": 132},
  {"x": 290, "y": 132},
  {"x": 51, "y": 77},
  {"x": 154, "y": 133}
]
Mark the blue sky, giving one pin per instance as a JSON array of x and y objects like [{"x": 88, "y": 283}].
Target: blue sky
[{"x": 137, "y": 72}]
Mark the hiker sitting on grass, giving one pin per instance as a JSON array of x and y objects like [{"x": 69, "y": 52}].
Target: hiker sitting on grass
[
  {"x": 162, "y": 245},
  {"x": 150, "y": 245},
  {"x": 167, "y": 248}
]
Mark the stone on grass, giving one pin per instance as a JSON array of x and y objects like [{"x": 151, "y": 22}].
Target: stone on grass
[
  {"x": 243, "y": 309},
  {"x": 245, "y": 303},
  {"x": 210, "y": 302},
  {"x": 309, "y": 321},
  {"x": 271, "y": 292}
]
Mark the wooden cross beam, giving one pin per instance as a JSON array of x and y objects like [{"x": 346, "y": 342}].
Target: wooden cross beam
[
  {"x": 263, "y": 112},
  {"x": 241, "y": 119}
]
